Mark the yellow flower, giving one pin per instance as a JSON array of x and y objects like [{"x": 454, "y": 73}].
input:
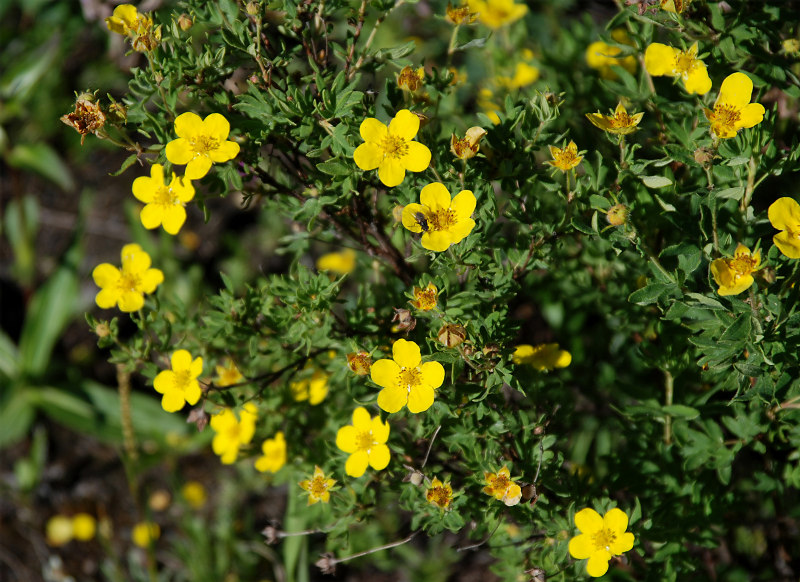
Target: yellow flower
[
  {"x": 791, "y": 46},
  {"x": 391, "y": 149},
  {"x": 406, "y": 380},
  {"x": 195, "y": 494},
  {"x": 318, "y": 487},
  {"x": 440, "y": 494},
  {"x": 179, "y": 385},
  {"x": 411, "y": 79},
  {"x": 732, "y": 109},
  {"x": 59, "y": 530},
  {"x": 565, "y": 158},
  {"x": 602, "y": 56},
  {"x": 164, "y": 204},
  {"x": 425, "y": 299},
  {"x": 542, "y": 356},
  {"x": 662, "y": 60},
  {"x": 126, "y": 287},
  {"x": 228, "y": 374},
  {"x": 460, "y": 15},
  {"x": 233, "y": 433},
  {"x": 442, "y": 221},
  {"x": 274, "y": 457},
  {"x": 341, "y": 263},
  {"x": 620, "y": 123},
  {"x": 359, "y": 363},
  {"x": 488, "y": 105},
  {"x": 144, "y": 533},
  {"x": 200, "y": 143},
  {"x": 674, "y": 6},
  {"x": 84, "y": 526},
  {"x": 466, "y": 147},
  {"x": 736, "y": 275},
  {"x": 600, "y": 539},
  {"x": 784, "y": 214},
  {"x": 524, "y": 75},
  {"x": 497, "y": 13},
  {"x": 125, "y": 20},
  {"x": 313, "y": 389},
  {"x": 500, "y": 486},
  {"x": 365, "y": 440}
]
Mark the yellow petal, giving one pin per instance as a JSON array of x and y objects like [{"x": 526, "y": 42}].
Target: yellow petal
[
  {"x": 164, "y": 381},
  {"x": 179, "y": 151},
  {"x": 214, "y": 125},
  {"x": 432, "y": 374},
  {"x": 784, "y": 214},
  {"x": 192, "y": 392},
  {"x": 598, "y": 563},
  {"x": 130, "y": 301},
  {"x": 151, "y": 279},
  {"x": 384, "y": 373},
  {"x": 368, "y": 156},
  {"x": 698, "y": 80},
  {"x": 361, "y": 419},
  {"x": 581, "y": 546},
  {"x": 405, "y": 125},
  {"x": 198, "y": 167},
  {"x": 173, "y": 401},
  {"x": 227, "y": 150},
  {"x": 182, "y": 187},
  {"x": 196, "y": 367},
  {"x": 460, "y": 230},
  {"x": 172, "y": 219},
  {"x": 588, "y": 521},
  {"x": 346, "y": 439},
  {"x": 380, "y": 430},
  {"x": 750, "y": 115},
  {"x": 373, "y": 130},
  {"x": 181, "y": 360},
  {"x": 106, "y": 274},
  {"x": 435, "y": 196},
  {"x": 599, "y": 120},
  {"x": 392, "y": 399},
  {"x": 356, "y": 464},
  {"x": 622, "y": 544},
  {"x": 406, "y": 353},
  {"x": 742, "y": 284},
  {"x": 107, "y": 298},
  {"x": 785, "y": 242},
  {"x": 187, "y": 125},
  {"x": 417, "y": 158},
  {"x": 736, "y": 90},
  {"x": 436, "y": 241},
  {"x": 616, "y": 521},
  {"x": 391, "y": 172},
  {"x": 463, "y": 204},
  {"x": 379, "y": 457},
  {"x": 420, "y": 398},
  {"x": 409, "y": 217},
  {"x": 659, "y": 59}
]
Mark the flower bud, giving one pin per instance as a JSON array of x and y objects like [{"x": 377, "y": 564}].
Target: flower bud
[
  {"x": 452, "y": 335},
  {"x": 185, "y": 22},
  {"x": 617, "y": 215},
  {"x": 252, "y": 8}
]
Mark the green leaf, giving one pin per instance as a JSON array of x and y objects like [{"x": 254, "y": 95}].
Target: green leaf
[
  {"x": 735, "y": 193},
  {"x": 682, "y": 411},
  {"x": 652, "y": 293},
  {"x": 335, "y": 167},
  {"x": 16, "y": 416},
  {"x": 655, "y": 181},
  {"x": 9, "y": 357},
  {"x": 43, "y": 160}
]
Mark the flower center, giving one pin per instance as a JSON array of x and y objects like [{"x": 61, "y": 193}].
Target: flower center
[
  {"x": 202, "y": 144},
  {"x": 442, "y": 219},
  {"x": 182, "y": 379},
  {"x": 439, "y": 496},
  {"x": 725, "y": 117},
  {"x": 409, "y": 377},
  {"x": 603, "y": 539},
  {"x": 129, "y": 282},
  {"x": 318, "y": 486},
  {"x": 742, "y": 265},
  {"x": 425, "y": 299},
  {"x": 364, "y": 441},
  {"x": 165, "y": 197},
  {"x": 684, "y": 63},
  {"x": 500, "y": 483},
  {"x": 621, "y": 120},
  {"x": 394, "y": 146}
]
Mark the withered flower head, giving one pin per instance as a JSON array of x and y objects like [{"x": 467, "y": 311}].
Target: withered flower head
[
  {"x": 452, "y": 335},
  {"x": 466, "y": 147},
  {"x": 411, "y": 79},
  {"x": 461, "y": 14},
  {"x": 87, "y": 117},
  {"x": 359, "y": 363},
  {"x": 405, "y": 321}
]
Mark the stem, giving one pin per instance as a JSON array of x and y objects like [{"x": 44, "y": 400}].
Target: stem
[
  {"x": 713, "y": 206},
  {"x": 128, "y": 434},
  {"x": 750, "y": 187},
  {"x": 371, "y": 38},
  {"x": 623, "y": 165},
  {"x": 335, "y": 561},
  {"x": 430, "y": 445},
  {"x": 451, "y": 48},
  {"x": 669, "y": 385}
]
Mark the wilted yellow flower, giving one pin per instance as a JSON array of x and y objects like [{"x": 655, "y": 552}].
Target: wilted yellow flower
[
  {"x": 232, "y": 433},
  {"x": 365, "y": 440},
  {"x": 662, "y": 60},
  {"x": 359, "y": 363},
  {"x": 88, "y": 117},
  {"x": 565, "y": 158},
  {"x": 619, "y": 123},
  {"x": 466, "y": 147},
  {"x": 497, "y": 13},
  {"x": 145, "y": 533},
  {"x": 391, "y": 148},
  {"x": 164, "y": 203},
  {"x": 126, "y": 287},
  {"x": 732, "y": 109},
  {"x": 542, "y": 356},
  {"x": 601, "y": 538},
  {"x": 425, "y": 299},
  {"x": 341, "y": 263},
  {"x": 228, "y": 375},
  {"x": 313, "y": 389},
  {"x": 406, "y": 380},
  {"x": 274, "y": 456},
  {"x": 201, "y": 143},
  {"x": 500, "y": 486},
  {"x": 784, "y": 214},
  {"x": 195, "y": 494},
  {"x": 736, "y": 275},
  {"x": 179, "y": 385},
  {"x": 318, "y": 487},
  {"x": 440, "y": 494},
  {"x": 410, "y": 79},
  {"x": 442, "y": 221}
]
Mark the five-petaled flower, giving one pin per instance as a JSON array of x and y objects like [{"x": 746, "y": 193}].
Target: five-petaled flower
[
  {"x": 179, "y": 385},
  {"x": 441, "y": 221},
  {"x": 466, "y": 147},
  {"x": 274, "y": 456},
  {"x": 662, "y": 60},
  {"x": 164, "y": 204},
  {"x": 126, "y": 287},
  {"x": 497, "y": 13},
  {"x": 232, "y": 433},
  {"x": 365, "y": 440},
  {"x": 405, "y": 380},
  {"x": 736, "y": 275},
  {"x": 500, "y": 486},
  {"x": 228, "y": 374},
  {"x": 459, "y": 15},
  {"x": 200, "y": 143},
  {"x": 732, "y": 109},
  {"x": 318, "y": 487},
  {"x": 565, "y": 158},
  {"x": 542, "y": 356},
  {"x": 391, "y": 148},
  {"x": 620, "y": 122},
  {"x": 359, "y": 363},
  {"x": 126, "y": 20},
  {"x": 784, "y": 214},
  {"x": 600, "y": 539},
  {"x": 425, "y": 299},
  {"x": 440, "y": 494}
]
